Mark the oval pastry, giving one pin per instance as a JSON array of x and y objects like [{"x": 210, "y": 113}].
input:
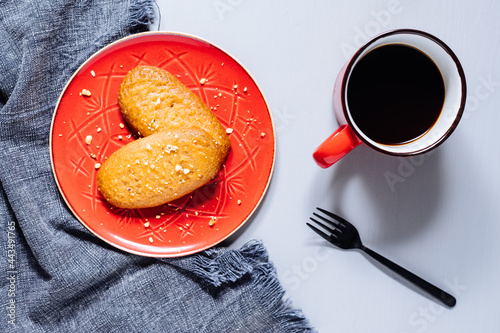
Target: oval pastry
[
  {"x": 159, "y": 168},
  {"x": 151, "y": 99}
]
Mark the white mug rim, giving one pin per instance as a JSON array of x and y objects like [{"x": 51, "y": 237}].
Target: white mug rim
[{"x": 361, "y": 52}]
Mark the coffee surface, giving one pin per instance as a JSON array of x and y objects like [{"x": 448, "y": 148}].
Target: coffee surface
[{"x": 395, "y": 94}]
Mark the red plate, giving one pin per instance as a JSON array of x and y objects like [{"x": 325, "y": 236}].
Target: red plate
[{"x": 198, "y": 220}]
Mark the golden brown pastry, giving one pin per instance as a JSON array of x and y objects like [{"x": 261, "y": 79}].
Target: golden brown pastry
[
  {"x": 151, "y": 99},
  {"x": 159, "y": 168}
]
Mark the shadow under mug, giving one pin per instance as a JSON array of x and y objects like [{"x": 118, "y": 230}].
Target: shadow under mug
[{"x": 348, "y": 136}]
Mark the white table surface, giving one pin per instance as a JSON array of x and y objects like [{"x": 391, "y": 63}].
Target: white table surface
[{"x": 442, "y": 221}]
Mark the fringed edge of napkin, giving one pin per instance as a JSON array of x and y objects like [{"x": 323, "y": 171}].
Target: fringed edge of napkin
[
  {"x": 142, "y": 15},
  {"x": 221, "y": 266},
  {"x": 272, "y": 296}
]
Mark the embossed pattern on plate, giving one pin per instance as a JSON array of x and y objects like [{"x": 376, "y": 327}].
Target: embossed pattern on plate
[{"x": 87, "y": 129}]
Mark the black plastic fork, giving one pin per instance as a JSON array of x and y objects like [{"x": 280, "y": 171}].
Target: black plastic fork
[{"x": 344, "y": 235}]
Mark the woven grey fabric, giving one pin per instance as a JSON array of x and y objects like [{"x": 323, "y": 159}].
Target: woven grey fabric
[{"x": 55, "y": 276}]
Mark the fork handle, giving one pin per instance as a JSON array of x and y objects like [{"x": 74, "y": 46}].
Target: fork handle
[{"x": 438, "y": 293}]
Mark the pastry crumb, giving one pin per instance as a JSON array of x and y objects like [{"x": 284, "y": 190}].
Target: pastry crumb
[
  {"x": 86, "y": 93},
  {"x": 88, "y": 139},
  {"x": 172, "y": 148}
]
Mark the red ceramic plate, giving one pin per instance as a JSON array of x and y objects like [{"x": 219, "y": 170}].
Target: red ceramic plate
[{"x": 198, "y": 220}]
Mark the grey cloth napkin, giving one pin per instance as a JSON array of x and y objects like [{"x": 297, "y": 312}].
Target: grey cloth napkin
[{"x": 55, "y": 276}]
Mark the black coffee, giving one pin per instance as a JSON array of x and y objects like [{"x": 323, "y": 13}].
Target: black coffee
[{"x": 395, "y": 94}]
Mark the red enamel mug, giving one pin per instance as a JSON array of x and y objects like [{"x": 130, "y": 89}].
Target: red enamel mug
[{"x": 353, "y": 131}]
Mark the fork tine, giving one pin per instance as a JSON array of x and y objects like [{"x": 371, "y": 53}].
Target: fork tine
[
  {"x": 319, "y": 232},
  {"x": 333, "y": 216},
  {"x": 324, "y": 226},
  {"x": 337, "y": 226},
  {"x": 333, "y": 223}
]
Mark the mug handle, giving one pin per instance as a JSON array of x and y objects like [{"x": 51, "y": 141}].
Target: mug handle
[{"x": 342, "y": 141}]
